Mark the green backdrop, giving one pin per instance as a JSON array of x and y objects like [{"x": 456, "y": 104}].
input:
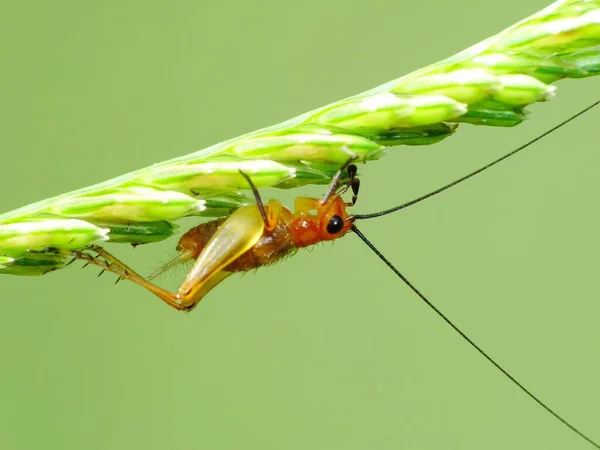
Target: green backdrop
[{"x": 327, "y": 350}]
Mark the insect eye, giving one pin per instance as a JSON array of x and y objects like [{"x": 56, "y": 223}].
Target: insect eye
[{"x": 335, "y": 225}]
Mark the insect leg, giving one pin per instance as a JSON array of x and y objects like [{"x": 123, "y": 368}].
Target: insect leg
[
  {"x": 353, "y": 182},
  {"x": 335, "y": 181},
  {"x": 239, "y": 233},
  {"x": 118, "y": 267},
  {"x": 271, "y": 216},
  {"x": 302, "y": 205}
]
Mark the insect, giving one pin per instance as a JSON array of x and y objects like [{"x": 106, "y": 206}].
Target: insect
[
  {"x": 252, "y": 237},
  {"x": 256, "y": 236}
]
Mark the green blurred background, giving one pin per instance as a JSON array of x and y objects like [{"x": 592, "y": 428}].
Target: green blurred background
[{"x": 327, "y": 350}]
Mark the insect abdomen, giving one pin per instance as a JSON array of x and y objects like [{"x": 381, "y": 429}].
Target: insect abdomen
[{"x": 271, "y": 248}]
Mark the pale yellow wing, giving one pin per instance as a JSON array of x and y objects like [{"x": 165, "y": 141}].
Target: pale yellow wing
[{"x": 239, "y": 233}]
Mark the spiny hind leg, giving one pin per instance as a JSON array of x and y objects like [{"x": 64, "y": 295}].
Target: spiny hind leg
[{"x": 110, "y": 263}]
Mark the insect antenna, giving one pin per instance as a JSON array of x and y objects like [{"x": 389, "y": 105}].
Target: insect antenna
[
  {"x": 468, "y": 339},
  {"x": 477, "y": 171}
]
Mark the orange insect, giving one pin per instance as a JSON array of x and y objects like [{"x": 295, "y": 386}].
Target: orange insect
[
  {"x": 251, "y": 237},
  {"x": 256, "y": 236}
]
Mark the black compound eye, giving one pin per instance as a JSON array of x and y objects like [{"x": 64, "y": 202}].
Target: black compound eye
[{"x": 335, "y": 225}]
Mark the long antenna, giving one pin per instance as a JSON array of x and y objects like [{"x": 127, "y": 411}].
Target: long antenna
[
  {"x": 477, "y": 171},
  {"x": 467, "y": 338}
]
